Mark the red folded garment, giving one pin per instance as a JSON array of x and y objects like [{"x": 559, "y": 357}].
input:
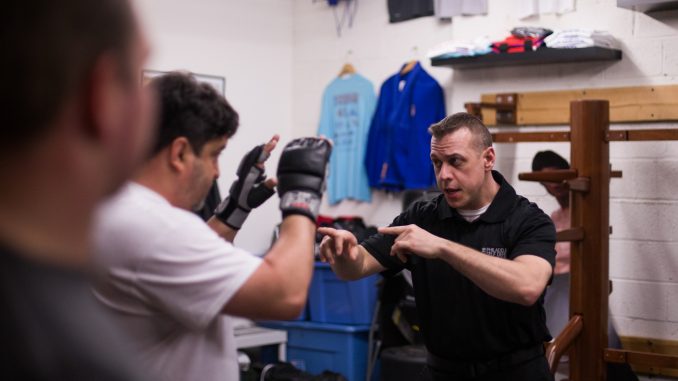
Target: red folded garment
[{"x": 513, "y": 44}]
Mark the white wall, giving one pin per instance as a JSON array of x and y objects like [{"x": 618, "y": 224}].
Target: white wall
[
  {"x": 250, "y": 44},
  {"x": 644, "y": 204},
  {"x": 277, "y": 57}
]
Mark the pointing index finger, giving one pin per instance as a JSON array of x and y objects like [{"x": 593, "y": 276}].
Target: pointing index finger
[
  {"x": 392, "y": 230},
  {"x": 327, "y": 231}
]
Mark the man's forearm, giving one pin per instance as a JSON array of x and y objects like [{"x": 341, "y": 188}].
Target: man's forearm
[
  {"x": 292, "y": 255},
  {"x": 279, "y": 287},
  {"x": 504, "y": 279}
]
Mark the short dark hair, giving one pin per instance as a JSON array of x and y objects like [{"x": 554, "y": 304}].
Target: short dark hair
[
  {"x": 191, "y": 109},
  {"x": 49, "y": 48},
  {"x": 548, "y": 158},
  {"x": 461, "y": 120}
]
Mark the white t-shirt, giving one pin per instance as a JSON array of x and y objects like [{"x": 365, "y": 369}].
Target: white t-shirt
[
  {"x": 472, "y": 215},
  {"x": 166, "y": 276}
]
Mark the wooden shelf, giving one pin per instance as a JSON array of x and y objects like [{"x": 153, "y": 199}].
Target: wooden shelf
[{"x": 537, "y": 57}]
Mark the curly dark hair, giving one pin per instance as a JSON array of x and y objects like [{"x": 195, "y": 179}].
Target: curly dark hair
[{"x": 191, "y": 109}]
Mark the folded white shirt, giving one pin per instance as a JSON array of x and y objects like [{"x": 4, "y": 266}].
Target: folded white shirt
[
  {"x": 580, "y": 38},
  {"x": 478, "y": 46}
]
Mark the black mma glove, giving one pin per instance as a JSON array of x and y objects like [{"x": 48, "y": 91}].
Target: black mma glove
[
  {"x": 301, "y": 176},
  {"x": 247, "y": 192}
]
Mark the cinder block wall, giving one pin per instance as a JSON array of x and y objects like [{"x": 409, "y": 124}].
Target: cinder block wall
[{"x": 644, "y": 203}]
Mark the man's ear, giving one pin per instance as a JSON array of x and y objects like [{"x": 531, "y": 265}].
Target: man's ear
[
  {"x": 101, "y": 99},
  {"x": 180, "y": 153},
  {"x": 489, "y": 156}
]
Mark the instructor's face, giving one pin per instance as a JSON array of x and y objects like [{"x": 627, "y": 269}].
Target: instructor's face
[{"x": 460, "y": 167}]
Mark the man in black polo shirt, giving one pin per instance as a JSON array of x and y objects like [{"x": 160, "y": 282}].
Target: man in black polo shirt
[{"x": 480, "y": 255}]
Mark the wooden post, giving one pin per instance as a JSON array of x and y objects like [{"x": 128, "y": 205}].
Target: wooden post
[{"x": 590, "y": 156}]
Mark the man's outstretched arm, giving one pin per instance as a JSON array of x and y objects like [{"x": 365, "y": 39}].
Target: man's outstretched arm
[{"x": 521, "y": 280}]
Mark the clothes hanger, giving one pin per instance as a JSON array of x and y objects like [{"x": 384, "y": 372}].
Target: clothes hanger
[
  {"x": 412, "y": 63},
  {"x": 408, "y": 67},
  {"x": 347, "y": 69}
]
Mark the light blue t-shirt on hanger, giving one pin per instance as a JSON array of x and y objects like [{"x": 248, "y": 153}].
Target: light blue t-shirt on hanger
[{"x": 347, "y": 109}]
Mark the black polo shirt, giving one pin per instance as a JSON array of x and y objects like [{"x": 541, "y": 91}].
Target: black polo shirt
[{"x": 461, "y": 322}]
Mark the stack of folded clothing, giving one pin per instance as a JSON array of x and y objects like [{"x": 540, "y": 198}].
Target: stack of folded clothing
[
  {"x": 521, "y": 39},
  {"x": 451, "y": 49},
  {"x": 580, "y": 38}
]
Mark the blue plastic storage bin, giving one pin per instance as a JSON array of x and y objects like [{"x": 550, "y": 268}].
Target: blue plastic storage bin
[
  {"x": 333, "y": 300},
  {"x": 315, "y": 347}
]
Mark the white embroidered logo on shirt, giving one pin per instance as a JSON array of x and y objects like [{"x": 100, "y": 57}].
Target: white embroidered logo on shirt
[{"x": 499, "y": 252}]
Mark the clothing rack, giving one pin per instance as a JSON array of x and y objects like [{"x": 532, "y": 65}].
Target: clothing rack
[{"x": 585, "y": 335}]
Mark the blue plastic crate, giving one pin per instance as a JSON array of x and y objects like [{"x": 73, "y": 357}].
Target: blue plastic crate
[
  {"x": 315, "y": 347},
  {"x": 333, "y": 300}
]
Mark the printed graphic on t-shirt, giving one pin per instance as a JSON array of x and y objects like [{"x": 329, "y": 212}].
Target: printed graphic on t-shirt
[{"x": 346, "y": 121}]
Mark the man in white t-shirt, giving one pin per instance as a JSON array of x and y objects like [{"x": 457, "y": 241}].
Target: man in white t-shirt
[{"x": 169, "y": 278}]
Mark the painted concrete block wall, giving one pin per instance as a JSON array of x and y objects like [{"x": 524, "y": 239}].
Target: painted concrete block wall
[
  {"x": 250, "y": 44},
  {"x": 644, "y": 203}
]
